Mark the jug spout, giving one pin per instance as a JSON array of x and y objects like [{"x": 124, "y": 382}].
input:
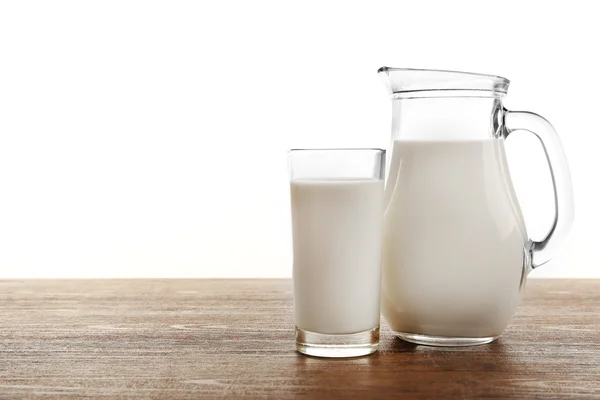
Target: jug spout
[{"x": 418, "y": 83}]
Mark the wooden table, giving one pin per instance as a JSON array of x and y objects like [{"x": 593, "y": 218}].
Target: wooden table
[{"x": 233, "y": 338}]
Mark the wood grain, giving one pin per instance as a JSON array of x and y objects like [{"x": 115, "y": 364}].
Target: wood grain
[{"x": 234, "y": 338}]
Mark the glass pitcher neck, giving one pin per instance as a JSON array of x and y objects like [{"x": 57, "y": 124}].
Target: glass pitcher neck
[
  {"x": 447, "y": 119},
  {"x": 405, "y": 83}
]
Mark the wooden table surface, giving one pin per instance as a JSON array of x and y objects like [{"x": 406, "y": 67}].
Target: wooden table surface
[{"x": 234, "y": 338}]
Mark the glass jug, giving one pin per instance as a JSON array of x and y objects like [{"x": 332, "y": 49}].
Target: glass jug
[{"x": 456, "y": 252}]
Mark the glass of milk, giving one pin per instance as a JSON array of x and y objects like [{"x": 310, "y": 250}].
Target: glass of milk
[{"x": 337, "y": 223}]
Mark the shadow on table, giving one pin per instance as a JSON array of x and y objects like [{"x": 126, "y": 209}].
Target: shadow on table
[{"x": 429, "y": 371}]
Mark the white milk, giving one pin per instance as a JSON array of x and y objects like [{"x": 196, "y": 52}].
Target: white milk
[
  {"x": 337, "y": 231},
  {"x": 454, "y": 237}
]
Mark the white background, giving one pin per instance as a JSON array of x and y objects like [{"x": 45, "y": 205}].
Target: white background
[{"x": 148, "y": 139}]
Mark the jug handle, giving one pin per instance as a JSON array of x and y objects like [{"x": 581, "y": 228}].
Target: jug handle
[{"x": 542, "y": 251}]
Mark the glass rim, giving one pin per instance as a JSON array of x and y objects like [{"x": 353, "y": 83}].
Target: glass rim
[
  {"x": 444, "y": 71},
  {"x": 373, "y": 149},
  {"x": 408, "y": 83}
]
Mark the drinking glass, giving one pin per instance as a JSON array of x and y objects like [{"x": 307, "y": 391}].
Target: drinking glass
[{"x": 337, "y": 217}]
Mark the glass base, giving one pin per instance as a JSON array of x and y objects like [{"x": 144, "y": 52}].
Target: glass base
[
  {"x": 343, "y": 345},
  {"x": 446, "y": 341}
]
